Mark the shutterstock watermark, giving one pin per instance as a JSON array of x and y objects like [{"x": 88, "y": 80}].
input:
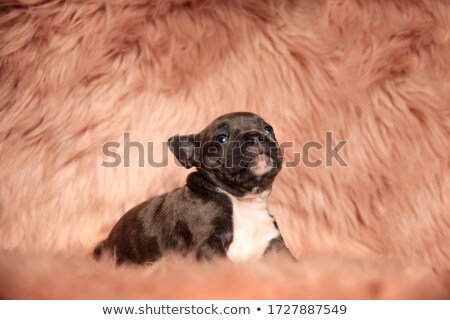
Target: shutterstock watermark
[{"x": 324, "y": 154}]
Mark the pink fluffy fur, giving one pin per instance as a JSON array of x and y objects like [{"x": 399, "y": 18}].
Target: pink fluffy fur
[{"x": 77, "y": 74}]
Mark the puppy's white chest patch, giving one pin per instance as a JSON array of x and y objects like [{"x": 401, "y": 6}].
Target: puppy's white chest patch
[{"x": 253, "y": 228}]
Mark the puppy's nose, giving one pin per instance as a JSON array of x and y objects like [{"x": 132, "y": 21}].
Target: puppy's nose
[{"x": 256, "y": 137}]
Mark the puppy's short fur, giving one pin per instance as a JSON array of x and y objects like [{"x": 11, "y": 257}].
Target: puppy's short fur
[{"x": 222, "y": 210}]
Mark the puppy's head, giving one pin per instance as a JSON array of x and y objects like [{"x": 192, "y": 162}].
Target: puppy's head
[{"x": 238, "y": 152}]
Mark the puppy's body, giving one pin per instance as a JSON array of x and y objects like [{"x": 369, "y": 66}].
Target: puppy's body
[
  {"x": 184, "y": 220},
  {"x": 222, "y": 210}
]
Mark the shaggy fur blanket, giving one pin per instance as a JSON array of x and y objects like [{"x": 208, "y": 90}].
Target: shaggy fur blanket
[{"x": 77, "y": 74}]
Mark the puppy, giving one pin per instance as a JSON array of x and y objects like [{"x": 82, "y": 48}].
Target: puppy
[{"x": 221, "y": 211}]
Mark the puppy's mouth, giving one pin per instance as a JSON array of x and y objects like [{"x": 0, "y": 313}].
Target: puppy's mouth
[{"x": 261, "y": 160}]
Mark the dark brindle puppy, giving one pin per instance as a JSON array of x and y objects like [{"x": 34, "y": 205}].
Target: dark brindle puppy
[{"x": 222, "y": 210}]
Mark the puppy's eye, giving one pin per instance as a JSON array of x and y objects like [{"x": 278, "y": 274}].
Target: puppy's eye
[
  {"x": 222, "y": 138},
  {"x": 268, "y": 129}
]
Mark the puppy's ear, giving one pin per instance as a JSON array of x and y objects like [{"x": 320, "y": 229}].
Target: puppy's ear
[{"x": 185, "y": 149}]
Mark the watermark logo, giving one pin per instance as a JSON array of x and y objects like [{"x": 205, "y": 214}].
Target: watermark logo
[{"x": 311, "y": 154}]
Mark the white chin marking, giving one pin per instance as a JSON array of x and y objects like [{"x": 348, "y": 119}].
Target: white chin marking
[
  {"x": 257, "y": 171},
  {"x": 262, "y": 167}
]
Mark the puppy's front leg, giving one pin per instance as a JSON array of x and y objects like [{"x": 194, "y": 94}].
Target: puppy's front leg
[
  {"x": 277, "y": 245},
  {"x": 214, "y": 246}
]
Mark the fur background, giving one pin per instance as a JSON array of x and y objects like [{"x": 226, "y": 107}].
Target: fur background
[{"x": 76, "y": 74}]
